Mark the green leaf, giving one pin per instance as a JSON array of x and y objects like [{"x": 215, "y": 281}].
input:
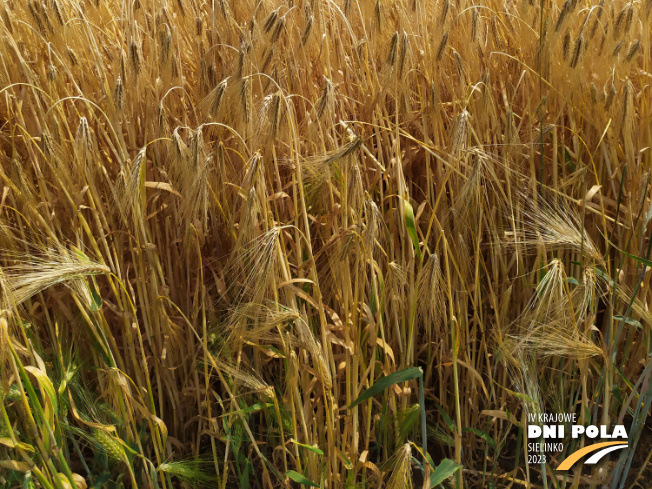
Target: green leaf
[
  {"x": 604, "y": 276},
  {"x": 308, "y": 447},
  {"x": 645, "y": 262},
  {"x": 408, "y": 215},
  {"x": 628, "y": 320},
  {"x": 490, "y": 441},
  {"x": 372, "y": 299},
  {"x": 297, "y": 477},
  {"x": 444, "y": 470},
  {"x": 447, "y": 419},
  {"x": 251, "y": 409},
  {"x": 101, "y": 480},
  {"x": 96, "y": 300},
  {"x": 622, "y": 375},
  {"x": 388, "y": 381},
  {"x": 244, "y": 476},
  {"x": 572, "y": 280},
  {"x": 615, "y": 392},
  {"x": 345, "y": 460}
]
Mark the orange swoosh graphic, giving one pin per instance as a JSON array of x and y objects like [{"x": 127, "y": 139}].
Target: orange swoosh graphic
[{"x": 571, "y": 459}]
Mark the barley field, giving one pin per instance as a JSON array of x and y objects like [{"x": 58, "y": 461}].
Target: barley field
[{"x": 322, "y": 243}]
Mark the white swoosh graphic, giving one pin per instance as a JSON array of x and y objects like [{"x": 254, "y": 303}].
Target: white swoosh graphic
[{"x": 601, "y": 453}]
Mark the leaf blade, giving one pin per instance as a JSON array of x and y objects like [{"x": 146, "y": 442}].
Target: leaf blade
[
  {"x": 410, "y": 225},
  {"x": 301, "y": 479},
  {"x": 444, "y": 470},
  {"x": 387, "y": 381}
]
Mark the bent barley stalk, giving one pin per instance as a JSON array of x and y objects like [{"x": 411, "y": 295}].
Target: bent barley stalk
[{"x": 223, "y": 222}]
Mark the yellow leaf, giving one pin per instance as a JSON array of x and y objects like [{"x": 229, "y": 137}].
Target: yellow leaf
[
  {"x": 8, "y": 442},
  {"x": 387, "y": 348},
  {"x": 80, "y": 481},
  {"x": 163, "y": 186},
  {"x": 64, "y": 481},
  {"x": 14, "y": 465}
]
